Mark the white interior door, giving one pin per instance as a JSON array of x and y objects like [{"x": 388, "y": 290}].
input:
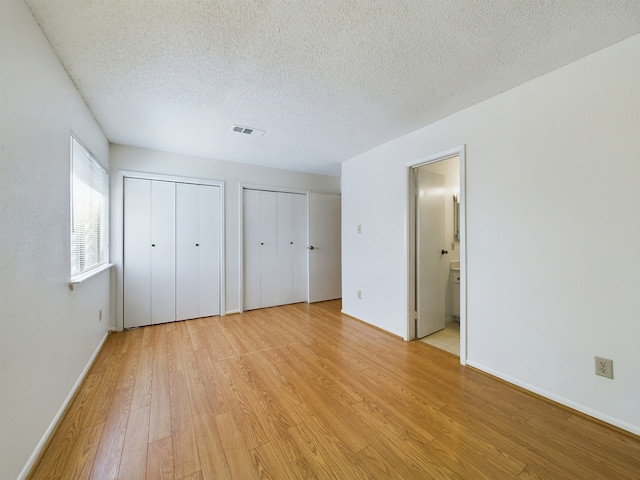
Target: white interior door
[
  {"x": 163, "y": 252},
  {"x": 325, "y": 275},
  {"x": 137, "y": 252},
  {"x": 431, "y": 264}
]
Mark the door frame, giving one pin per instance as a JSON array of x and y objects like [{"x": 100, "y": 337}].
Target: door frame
[
  {"x": 266, "y": 188},
  {"x": 411, "y": 243},
  {"x": 117, "y": 231}
]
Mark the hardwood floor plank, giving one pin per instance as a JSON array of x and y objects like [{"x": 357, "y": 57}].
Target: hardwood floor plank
[
  {"x": 133, "y": 464},
  {"x": 212, "y": 383},
  {"x": 336, "y": 415},
  {"x": 65, "y": 444},
  {"x": 81, "y": 462},
  {"x": 325, "y": 453},
  {"x": 144, "y": 375},
  {"x": 211, "y": 454},
  {"x": 109, "y": 451},
  {"x": 160, "y": 460},
  {"x": 283, "y": 462},
  {"x": 189, "y": 361},
  {"x": 240, "y": 406},
  {"x": 235, "y": 449},
  {"x": 160, "y": 415},
  {"x": 304, "y": 392},
  {"x": 174, "y": 348},
  {"x": 378, "y": 466},
  {"x": 185, "y": 449},
  {"x": 128, "y": 370}
]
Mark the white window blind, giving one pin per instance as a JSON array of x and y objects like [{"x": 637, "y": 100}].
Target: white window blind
[{"x": 89, "y": 211}]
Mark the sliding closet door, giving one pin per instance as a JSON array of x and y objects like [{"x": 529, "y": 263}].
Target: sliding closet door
[
  {"x": 149, "y": 252},
  {"x": 197, "y": 251},
  {"x": 163, "y": 248},
  {"x": 137, "y": 252},
  {"x": 209, "y": 273},
  {"x": 187, "y": 255},
  {"x": 260, "y": 249},
  {"x": 284, "y": 273},
  {"x": 275, "y": 255},
  {"x": 292, "y": 251},
  {"x": 252, "y": 249},
  {"x": 299, "y": 238}
]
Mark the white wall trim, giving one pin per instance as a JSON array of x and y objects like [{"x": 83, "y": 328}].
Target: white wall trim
[
  {"x": 118, "y": 196},
  {"x": 460, "y": 152},
  {"x": 557, "y": 398},
  {"x": 45, "y": 438}
]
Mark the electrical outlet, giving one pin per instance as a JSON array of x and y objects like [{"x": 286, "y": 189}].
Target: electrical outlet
[
  {"x": 359, "y": 294},
  {"x": 604, "y": 367},
  {"x": 100, "y": 315}
]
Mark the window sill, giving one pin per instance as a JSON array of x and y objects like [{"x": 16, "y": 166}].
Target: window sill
[{"x": 78, "y": 279}]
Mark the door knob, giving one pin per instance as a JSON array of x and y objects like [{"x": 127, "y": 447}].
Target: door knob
[
  {"x": 444, "y": 252},
  {"x": 153, "y": 244},
  {"x": 311, "y": 247},
  {"x": 197, "y": 244}
]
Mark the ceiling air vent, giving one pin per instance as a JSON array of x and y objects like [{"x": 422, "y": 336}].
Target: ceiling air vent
[{"x": 255, "y": 132}]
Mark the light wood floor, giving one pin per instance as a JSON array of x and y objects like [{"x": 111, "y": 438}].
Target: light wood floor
[{"x": 302, "y": 391}]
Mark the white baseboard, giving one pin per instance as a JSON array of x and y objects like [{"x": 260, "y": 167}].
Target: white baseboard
[
  {"x": 561, "y": 400},
  {"x": 45, "y": 438}
]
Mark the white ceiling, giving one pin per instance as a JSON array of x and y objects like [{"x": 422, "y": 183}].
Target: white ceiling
[{"x": 326, "y": 79}]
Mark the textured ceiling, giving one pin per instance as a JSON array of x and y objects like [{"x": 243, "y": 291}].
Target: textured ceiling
[{"x": 326, "y": 79}]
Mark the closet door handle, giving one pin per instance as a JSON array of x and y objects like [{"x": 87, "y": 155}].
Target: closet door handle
[
  {"x": 311, "y": 247},
  {"x": 261, "y": 243},
  {"x": 153, "y": 244},
  {"x": 197, "y": 244}
]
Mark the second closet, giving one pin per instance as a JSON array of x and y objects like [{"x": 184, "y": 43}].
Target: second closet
[{"x": 275, "y": 248}]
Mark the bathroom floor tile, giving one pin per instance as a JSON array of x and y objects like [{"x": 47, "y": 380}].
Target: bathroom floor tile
[{"x": 446, "y": 339}]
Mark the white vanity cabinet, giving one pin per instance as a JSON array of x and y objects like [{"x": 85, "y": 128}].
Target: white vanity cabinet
[{"x": 455, "y": 281}]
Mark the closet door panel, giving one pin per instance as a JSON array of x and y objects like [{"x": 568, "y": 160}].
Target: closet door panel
[
  {"x": 163, "y": 259},
  {"x": 252, "y": 249},
  {"x": 209, "y": 250},
  {"x": 268, "y": 260},
  {"x": 137, "y": 252},
  {"x": 284, "y": 255},
  {"x": 187, "y": 251},
  {"x": 299, "y": 250}
]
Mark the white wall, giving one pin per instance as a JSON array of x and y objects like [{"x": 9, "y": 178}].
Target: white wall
[
  {"x": 553, "y": 168},
  {"x": 47, "y": 332},
  {"x": 233, "y": 174}
]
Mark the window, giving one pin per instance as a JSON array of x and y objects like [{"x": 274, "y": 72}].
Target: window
[{"x": 89, "y": 211}]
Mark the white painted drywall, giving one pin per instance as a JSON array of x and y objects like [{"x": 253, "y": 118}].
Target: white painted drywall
[
  {"x": 233, "y": 174},
  {"x": 48, "y": 333},
  {"x": 553, "y": 168}
]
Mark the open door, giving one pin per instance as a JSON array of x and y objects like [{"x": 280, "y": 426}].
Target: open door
[
  {"x": 325, "y": 269},
  {"x": 431, "y": 252}
]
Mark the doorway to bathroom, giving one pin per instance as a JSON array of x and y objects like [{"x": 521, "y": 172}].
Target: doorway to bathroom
[{"x": 437, "y": 252}]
